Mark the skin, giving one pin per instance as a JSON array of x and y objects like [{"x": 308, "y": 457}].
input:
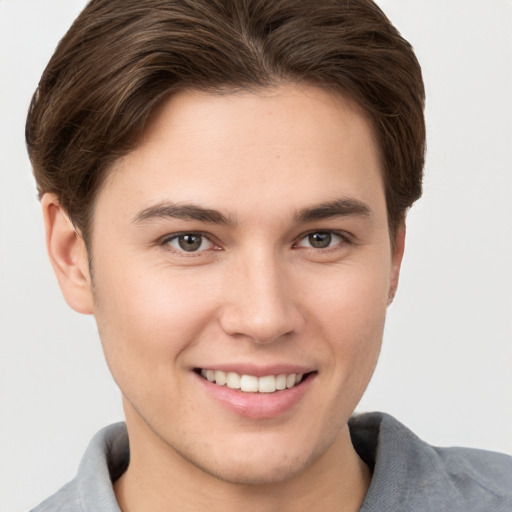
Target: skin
[{"x": 256, "y": 292}]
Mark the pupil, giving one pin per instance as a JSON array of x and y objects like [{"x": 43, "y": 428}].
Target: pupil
[
  {"x": 320, "y": 240},
  {"x": 190, "y": 242}
]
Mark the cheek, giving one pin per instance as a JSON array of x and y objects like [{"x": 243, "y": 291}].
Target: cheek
[
  {"x": 351, "y": 315},
  {"x": 146, "y": 319},
  {"x": 353, "y": 297}
]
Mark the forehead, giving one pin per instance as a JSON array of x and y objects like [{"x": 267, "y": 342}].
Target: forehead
[{"x": 284, "y": 146}]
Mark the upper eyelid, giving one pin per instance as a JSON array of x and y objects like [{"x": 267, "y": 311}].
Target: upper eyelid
[
  {"x": 171, "y": 236},
  {"x": 346, "y": 236},
  {"x": 343, "y": 234},
  {"x": 165, "y": 240}
]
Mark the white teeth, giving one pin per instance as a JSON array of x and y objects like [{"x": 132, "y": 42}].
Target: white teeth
[
  {"x": 233, "y": 380},
  {"x": 267, "y": 384},
  {"x": 281, "y": 382},
  {"x": 220, "y": 378},
  {"x": 252, "y": 384},
  {"x": 249, "y": 383}
]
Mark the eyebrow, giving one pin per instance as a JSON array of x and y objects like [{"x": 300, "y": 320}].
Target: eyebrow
[
  {"x": 337, "y": 208},
  {"x": 346, "y": 207},
  {"x": 181, "y": 211}
]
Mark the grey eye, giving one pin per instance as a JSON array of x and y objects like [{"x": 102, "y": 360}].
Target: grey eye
[
  {"x": 320, "y": 240},
  {"x": 190, "y": 242}
]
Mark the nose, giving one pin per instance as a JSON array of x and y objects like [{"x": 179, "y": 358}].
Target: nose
[{"x": 259, "y": 300}]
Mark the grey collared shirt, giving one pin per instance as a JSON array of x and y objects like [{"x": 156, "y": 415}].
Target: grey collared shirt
[{"x": 408, "y": 474}]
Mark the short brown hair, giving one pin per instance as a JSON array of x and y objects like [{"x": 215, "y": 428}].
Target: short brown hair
[{"x": 121, "y": 59}]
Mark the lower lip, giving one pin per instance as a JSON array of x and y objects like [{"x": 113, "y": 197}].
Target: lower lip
[{"x": 257, "y": 405}]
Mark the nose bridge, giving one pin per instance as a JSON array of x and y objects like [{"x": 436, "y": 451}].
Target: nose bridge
[{"x": 260, "y": 303}]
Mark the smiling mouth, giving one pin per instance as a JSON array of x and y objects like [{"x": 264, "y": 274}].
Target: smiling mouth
[{"x": 251, "y": 383}]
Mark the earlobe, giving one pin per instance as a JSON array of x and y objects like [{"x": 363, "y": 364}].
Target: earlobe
[
  {"x": 396, "y": 260},
  {"x": 68, "y": 255}
]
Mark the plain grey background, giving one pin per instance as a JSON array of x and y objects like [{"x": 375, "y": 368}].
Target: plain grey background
[{"x": 445, "y": 369}]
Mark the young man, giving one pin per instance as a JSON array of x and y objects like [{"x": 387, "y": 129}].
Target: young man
[{"x": 224, "y": 186}]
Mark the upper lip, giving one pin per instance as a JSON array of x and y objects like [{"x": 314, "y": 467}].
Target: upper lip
[{"x": 259, "y": 371}]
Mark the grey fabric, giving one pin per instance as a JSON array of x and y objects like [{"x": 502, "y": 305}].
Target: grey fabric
[
  {"x": 408, "y": 474},
  {"x": 105, "y": 459}
]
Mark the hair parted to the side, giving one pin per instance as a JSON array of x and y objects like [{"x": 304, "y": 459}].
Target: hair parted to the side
[{"x": 121, "y": 59}]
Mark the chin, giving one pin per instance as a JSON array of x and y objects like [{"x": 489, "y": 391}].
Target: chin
[
  {"x": 255, "y": 463},
  {"x": 249, "y": 473}
]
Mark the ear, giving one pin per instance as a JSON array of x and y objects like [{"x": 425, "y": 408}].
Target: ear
[
  {"x": 396, "y": 260},
  {"x": 68, "y": 255}
]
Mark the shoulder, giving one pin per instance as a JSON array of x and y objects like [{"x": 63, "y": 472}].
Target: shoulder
[
  {"x": 409, "y": 474},
  {"x": 92, "y": 490},
  {"x": 475, "y": 476},
  {"x": 66, "y": 499}
]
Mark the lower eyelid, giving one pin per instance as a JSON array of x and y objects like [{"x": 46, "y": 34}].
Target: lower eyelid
[
  {"x": 212, "y": 245},
  {"x": 343, "y": 239},
  {"x": 166, "y": 241}
]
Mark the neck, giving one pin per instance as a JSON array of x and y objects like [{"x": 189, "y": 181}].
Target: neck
[{"x": 159, "y": 479}]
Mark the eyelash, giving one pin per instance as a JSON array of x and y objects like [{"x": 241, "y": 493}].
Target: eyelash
[
  {"x": 344, "y": 237},
  {"x": 166, "y": 241}
]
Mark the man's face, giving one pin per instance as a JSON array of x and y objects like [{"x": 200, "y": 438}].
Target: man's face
[{"x": 244, "y": 239}]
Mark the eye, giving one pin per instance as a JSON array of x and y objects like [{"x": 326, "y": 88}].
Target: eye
[
  {"x": 189, "y": 242},
  {"x": 321, "y": 240}
]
